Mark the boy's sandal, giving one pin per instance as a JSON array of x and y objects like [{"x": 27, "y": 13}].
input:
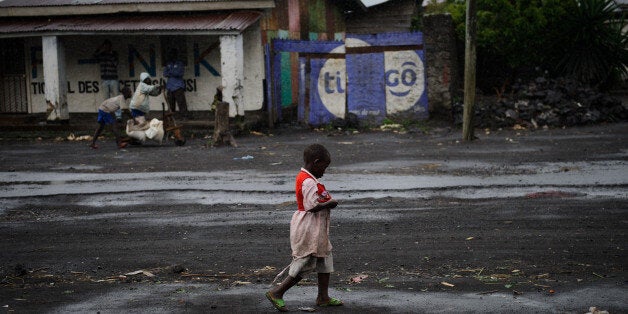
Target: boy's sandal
[
  {"x": 279, "y": 304},
  {"x": 331, "y": 302},
  {"x": 93, "y": 146}
]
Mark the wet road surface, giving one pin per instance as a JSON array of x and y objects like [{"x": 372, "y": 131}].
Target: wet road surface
[{"x": 519, "y": 221}]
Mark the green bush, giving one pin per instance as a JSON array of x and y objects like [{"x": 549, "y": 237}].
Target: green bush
[
  {"x": 595, "y": 51},
  {"x": 577, "y": 38}
]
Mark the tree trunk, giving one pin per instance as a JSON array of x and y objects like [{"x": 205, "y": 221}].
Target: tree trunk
[{"x": 222, "y": 134}]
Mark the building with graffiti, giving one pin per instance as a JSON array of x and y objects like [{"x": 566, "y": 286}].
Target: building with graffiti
[
  {"x": 49, "y": 62},
  {"x": 330, "y": 59},
  {"x": 308, "y": 60}
]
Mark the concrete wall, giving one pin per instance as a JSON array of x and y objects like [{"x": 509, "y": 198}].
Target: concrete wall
[
  {"x": 254, "y": 71},
  {"x": 370, "y": 76},
  {"x": 443, "y": 79},
  {"x": 142, "y": 54}
]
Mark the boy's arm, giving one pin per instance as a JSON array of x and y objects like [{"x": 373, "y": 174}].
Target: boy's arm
[
  {"x": 153, "y": 90},
  {"x": 156, "y": 91},
  {"x": 311, "y": 197},
  {"x": 332, "y": 203}
]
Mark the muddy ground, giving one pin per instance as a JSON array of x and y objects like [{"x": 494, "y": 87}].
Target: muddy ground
[{"x": 526, "y": 221}]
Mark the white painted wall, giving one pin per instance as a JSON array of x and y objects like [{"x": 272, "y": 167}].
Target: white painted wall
[
  {"x": 254, "y": 72},
  {"x": 84, "y": 78}
]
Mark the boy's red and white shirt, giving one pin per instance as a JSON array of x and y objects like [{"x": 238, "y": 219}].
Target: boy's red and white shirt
[
  {"x": 309, "y": 232},
  {"x": 310, "y": 191}
]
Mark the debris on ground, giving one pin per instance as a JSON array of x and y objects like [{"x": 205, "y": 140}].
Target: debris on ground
[
  {"x": 241, "y": 283},
  {"x": 247, "y": 157},
  {"x": 358, "y": 278},
  {"x": 389, "y": 127},
  {"x": 143, "y": 272},
  {"x": 594, "y": 310},
  {"x": 73, "y": 137},
  {"x": 265, "y": 270},
  {"x": 546, "y": 103},
  {"x": 307, "y": 309}
]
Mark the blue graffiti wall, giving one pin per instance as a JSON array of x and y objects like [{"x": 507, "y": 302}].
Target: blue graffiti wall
[
  {"x": 371, "y": 76},
  {"x": 367, "y": 94}
]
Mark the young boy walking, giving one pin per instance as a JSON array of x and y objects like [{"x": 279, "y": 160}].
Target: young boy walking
[
  {"x": 106, "y": 116},
  {"x": 309, "y": 230}
]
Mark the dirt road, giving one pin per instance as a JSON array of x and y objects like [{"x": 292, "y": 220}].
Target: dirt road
[{"x": 519, "y": 221}]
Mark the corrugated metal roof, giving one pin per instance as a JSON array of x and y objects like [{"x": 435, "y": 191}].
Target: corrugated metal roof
[
  {"x": 48, "y": 3},
  {"x": 235, "y": 21},
  {"x": 48, "y": 8}
]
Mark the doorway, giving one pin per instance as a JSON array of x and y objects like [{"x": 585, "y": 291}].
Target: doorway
[{"x": 13, "y": 92}]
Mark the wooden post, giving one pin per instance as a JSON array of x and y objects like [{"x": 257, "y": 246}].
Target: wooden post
[
  {"x": 469, "y": 72},
  {"x": 222, "y": 134}
]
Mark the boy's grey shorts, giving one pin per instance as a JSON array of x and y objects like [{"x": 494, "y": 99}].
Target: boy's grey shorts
[{"x": 301, "y": 266}]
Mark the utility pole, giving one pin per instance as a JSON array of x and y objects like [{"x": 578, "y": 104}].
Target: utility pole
[{"x": 469, "y": 72}]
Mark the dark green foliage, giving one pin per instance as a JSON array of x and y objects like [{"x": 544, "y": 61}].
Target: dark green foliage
[
  {"x": 576, "y": 38},
  {"x": 596, "y": 48}
]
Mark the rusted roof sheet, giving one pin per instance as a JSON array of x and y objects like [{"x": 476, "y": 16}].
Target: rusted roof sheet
[{"x": 217, "y": 22}]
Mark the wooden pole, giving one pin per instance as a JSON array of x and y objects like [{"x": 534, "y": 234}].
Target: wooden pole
[{"x": 469, "y": 72}]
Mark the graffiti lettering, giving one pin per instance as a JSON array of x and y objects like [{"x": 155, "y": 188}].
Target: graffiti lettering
[
  {"x": 88, "y": 87},
  {"x": 407, "y": 77},
  {"x": 190, "y": 84},
  {"x": 84, "y": 87},
  {"x": 333, "y": 79},
  {"x": 38, "y": 88},
  {"x": 150, "y": 66},
  {"x": 200, "y": 61},
  {"x": 365, "y": 112},
  {"x": 132, "y": 84}
]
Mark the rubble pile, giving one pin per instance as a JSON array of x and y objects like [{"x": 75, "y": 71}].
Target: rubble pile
[{"x": 547, "y": 102}]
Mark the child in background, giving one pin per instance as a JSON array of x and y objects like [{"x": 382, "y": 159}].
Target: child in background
[
  {"x": 107, "y": 116},
  {"x": 140, "y": 103},
  {"x": 309, "y": 230}
]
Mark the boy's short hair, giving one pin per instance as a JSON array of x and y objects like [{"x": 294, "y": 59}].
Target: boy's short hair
[{"x": 315, "y": 151}]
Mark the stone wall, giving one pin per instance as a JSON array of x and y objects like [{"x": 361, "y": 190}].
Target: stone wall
[{"x": 443, "y": 77}]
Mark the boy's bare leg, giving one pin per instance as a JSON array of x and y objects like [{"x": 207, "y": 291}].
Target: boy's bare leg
[
  {"x": 323, "y": 288},
  {"x": 116, "y": 132},
  {"x": 101, "y": 127},
  {"x": 288, "y": 283}
]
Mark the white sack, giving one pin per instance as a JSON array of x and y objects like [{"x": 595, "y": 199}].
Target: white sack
[{"x": 156, "y": 130}]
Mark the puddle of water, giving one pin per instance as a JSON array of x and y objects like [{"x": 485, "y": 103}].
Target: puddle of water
[{"x": 77, "y": 167}]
